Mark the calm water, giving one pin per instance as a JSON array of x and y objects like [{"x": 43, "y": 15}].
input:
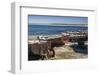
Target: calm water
[{"x": 51, "y": 29}]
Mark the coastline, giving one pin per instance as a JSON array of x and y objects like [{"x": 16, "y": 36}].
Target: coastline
[
  {"x": 62, "y": 52},
  {"x": 34, "y": 37}
]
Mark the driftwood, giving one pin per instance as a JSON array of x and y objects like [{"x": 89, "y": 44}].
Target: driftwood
[
  {"x": 56, "y": 42},
  {"x": 39, "y": 48},
  {"x": 46, "y": 48}
]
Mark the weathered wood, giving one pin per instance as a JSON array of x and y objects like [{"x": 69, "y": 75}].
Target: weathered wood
[{"x": 56, "y": 42}]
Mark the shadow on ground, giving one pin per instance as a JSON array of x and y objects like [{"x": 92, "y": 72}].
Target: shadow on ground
[{"x": 80, "y": 48}]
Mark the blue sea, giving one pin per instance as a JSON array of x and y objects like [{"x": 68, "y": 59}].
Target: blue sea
[{"x": 53, "y": 29}]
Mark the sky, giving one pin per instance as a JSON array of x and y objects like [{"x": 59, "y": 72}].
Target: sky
[{"x": 41, "y": 19}]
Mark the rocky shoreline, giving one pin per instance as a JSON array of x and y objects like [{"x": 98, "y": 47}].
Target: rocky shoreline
[{"x": 64, "y": 51}]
